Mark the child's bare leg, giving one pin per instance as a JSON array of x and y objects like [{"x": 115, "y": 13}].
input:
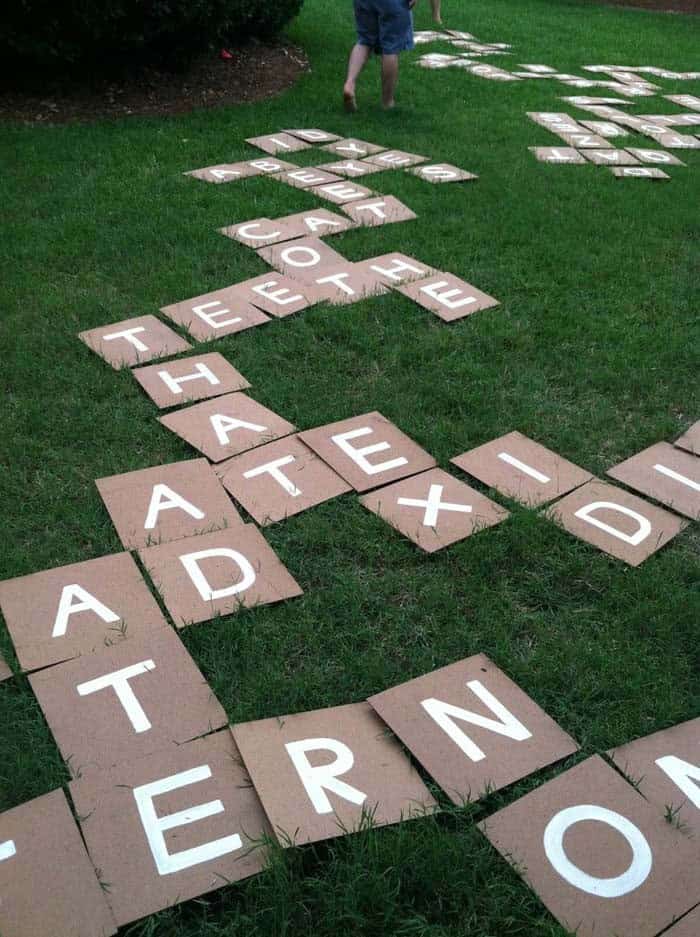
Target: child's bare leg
[
  {"x": 437, "y": 15},
  {"x": 358, "y": 59},
  {"x": 390, "y": 77}
]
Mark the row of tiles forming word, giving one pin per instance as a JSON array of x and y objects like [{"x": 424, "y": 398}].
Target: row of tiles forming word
[{"x": 598, "y": 850}]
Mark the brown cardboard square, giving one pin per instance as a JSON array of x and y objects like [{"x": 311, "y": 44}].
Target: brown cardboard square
[
  {"x": 308, "y": 177},
  {"x": 611, "y": 157},
  {"x": 134, "y": 341},
  {"x": 689, "y": 926},
  {"x": 317, "y": 222},
  {"x": 396, "y": 159},
  {"x": 227, "y": 426},
  {"x": 224, "y": 172},
  {"x": 352, "y": 447},
  {"x": 126, "y": 702},
  {"x": 195, "y": 378},
  {"x": 346, "y": 283},
  {"x": 655, "y": 156},
  {"x": 396, "y": 268},
  {"x": 666, "y": 474},
  {"x": 447, "y": 296},
  {"x": 584, "y": 141},
  {"x": 341, "y": 192},
  {"x": 278, "y": 143},
  {"x": 5, "y": 672},
  {"x": 442, "y": 172},
  {"x": 222, "y": 312},
  {"x": 61, "y": 613},
  {"x": 472, "y": 728},
  {"x": 615, "y": 522},
  {"x": 434, "y": 509},
  {"x": 680, "y": 141},
  {"x": 522, "y": 469},
  {"x": 352, "y": 169},
  {"x": 597, "y": 855},
  {"x": 555, "y": 121},
  {"x": 690, "y": 440},
  {"x": 685, "y": 100},
  {"x": 218, "y": 574},
  {"x": 186, "y": 821},
  {"x": 314, "y": 136},
  {"x": 167, "y": 502},
  {"x": 302, "y": 258},
  {"x": 350, "y": 148},
  {"x": 281, "y": 479},
  {"x": 639, "y": 172},
  {"x": 384, "y": 209},
  {"x": 276, "y": 294},
  {"x": 266, "y": 166},
  {"x": 604, "y": 128},
  {"x": 665, "y": 768},
  {"x": 330, "y": 772},
  {"x": 556, "y": 154},
  {"x": 259, "y": 232},
  {"x": 47, "y": 881}
]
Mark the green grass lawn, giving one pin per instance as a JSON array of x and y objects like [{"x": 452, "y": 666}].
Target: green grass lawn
[{"x": 593, "y": 352}]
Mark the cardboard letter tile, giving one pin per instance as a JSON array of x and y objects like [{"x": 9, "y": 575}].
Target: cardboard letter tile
[
  {"x": 616, "y": 522},
  {"x": 447, "y": 296},
  {"x": 665, "y": 768},
  {"x": 442, "y": 172},
  {"x": 317, "y": 222},
  {"x": 655, "y": 156},
  {"x": 611, "y": 157},
  {"x": 167, "y": 502},
  {"x": 259, "y": 232},
  {"x": 314, "y": 136},
  {"x": 685, "y": 100},
  {"x": 195, "y": 378},
  {"x": 522, "y": 469},
  {"x": 557, "y": 154},
  {"x": 690, "y": 440},
  {"x": 134, "y": 341},
  {"x": 640, "y": 172},
  {"x": 352, "y": 169},
  {"x": 396, "y": 268},
  {"x": 472, "y": 728},
  {"x": 301, "y": 258},
  {"x": 604, "y": 128},
  {"x": 346, "y": 283},
  {"x": 280, "y": 479},
  {"x": 172, "y": 826},
  {"x": 330, "y": 772},
  {"x": 278, "y": 143},
  {"x": 126, "y": 702},
  {"x": 276, "y": 294},
  {"x": 434, "y": 509},
  {"x": 5, "y": 672},
  {"x": 350, "y": 148},
  {"x": 665, "y": 474},
  {"x": 597, "y": 854},
  {"x": 270, "y": 165},
  {"x": 306, "y": 178},
  {"x": 377, "y": 211},
  {"x": 47, "y": 882},
  {"x": 368, "y": 450},
  {"x": 227, "y": 426},
  {"x": 213, "y": 315},
  {"x": 341, "y": 192},
  {"x": 396, "y": 159},
  {"x": 583, "y": 141},
  {"x": 218, "y": 574},
  {"x": 61, "y": 613},
  {"x": 224, "y": 172}
]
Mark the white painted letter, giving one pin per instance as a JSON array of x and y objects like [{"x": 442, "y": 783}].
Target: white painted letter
[
  {"x": 358, "y": 455},
  {"x": 317, "y": 780},
  {"x": 446, "y": 297},
  {"x": 308, "y": 257},
  {"x": 191, "y": 563},
  {"x": 200, "y": 371},
  {"x": 119, "y": 681},
  {"x": 434, "y": 505},
  {"x": 88, "y": 602},
  {"x": 211, "y": 318},
  {"x": 7, "y": 850},
  {"x": 244, "y": 231},
  {"x": 173, "y": 500},
  {"x": 524, "y": 467},
  {"x": 273, "y": 469},
  {"x": 633, "y": 539},
  {"x": 129, "y": 335},
  {"x": 224, "y": 425},
  {"x": 683, "y": 775},
  {"x": 268, "y": 292}
]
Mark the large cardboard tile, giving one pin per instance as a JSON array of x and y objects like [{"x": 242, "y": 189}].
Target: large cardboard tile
[
  {"x": 665, "y": 768},
  {"x": 352, "y": 169},
  {"x": 346, "y": 283},
  {"x": 434, "y": 509},
  {"x": 446, "y": 61},
  {"x": 685, "y": 100},
  {"x": 678, "y": 141},
  {"x": 281, "y": 479},
  {"x": 396, "y": 159},
  {"x": 539, "y": 69},
  {"x": 556, "y": 121},
  {"x": 227, "y": 426},
  {"x": 47, "y": 881},
  {"x": 61, "y": 613},
  {"x": 5, "y": 671},
  {"x": 306, "y": 178},
  {"x": 396, "y": 268},
  {"x": 597, "y": 854},
  {"x": 447, "y": 296},
  {"x": 666, "y": 474},
  {"x": 172, "y": 826},
  {"x": 259, "y": 232},
  {"x": 222, "y": 312},
  {"x": 615, "y": 522},
  {"x": 350, "y": 148},
  {"x": 314, "y": 136},
  {"x": 522, "y": 469},
  {"x": 655, "y": 156},
  {"x": 639, "y": 172},
  {"x": 367, "y": 450},
  {"x": 302, "y": 258},
  {"x": 341, "y": 192},
  {"x": 126, "y": 702},
  {"x": 167, "y": 502},
  {"x": 218, "y": 574},
  {"x": 224, "y": 172},
  {"x": 278, "y": 143},
  {"x": 472, "y": 728},
  {"x": 442, "y": 172},
  {"x": 276, "y": 294},
  {"x": 330, "y": 772},
  {"x": 270, "y": 165},
  {"x": 688, "y": 926},
  {"x": 611, "y": 157},
  {"x": 384, "y": 209},
  {"x": 134, "y": 341},
  {"x": 584, "y": 141},
  {"x": 581, "y": 100},
  {"x": 604, "y": 128},
  {"x": 317, "y": 222},
  {"x": 195, "y": 378},
  {"x": 676, "y": 120},
  {"x": 556, "y": 154},
  {"x": 690, "y": 440}
]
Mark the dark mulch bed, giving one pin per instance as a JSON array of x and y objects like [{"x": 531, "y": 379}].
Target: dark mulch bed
[
  {"x": 668, "y": 6},
  {"x": 255, "y": 72}
]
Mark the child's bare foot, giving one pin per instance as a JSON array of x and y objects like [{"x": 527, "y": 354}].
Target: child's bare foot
[
  {"x": 349, "y": 100},
  {"x": 388, "y": 105}
]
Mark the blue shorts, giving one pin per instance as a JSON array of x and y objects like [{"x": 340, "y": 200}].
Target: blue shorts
[{"x": 386, "y": 26}]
